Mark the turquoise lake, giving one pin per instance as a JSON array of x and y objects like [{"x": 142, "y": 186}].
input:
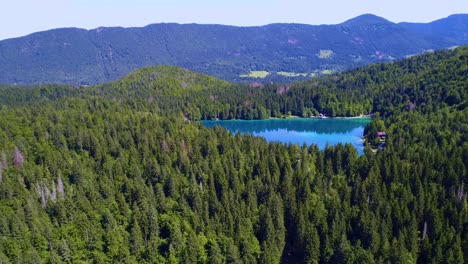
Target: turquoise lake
[{"x": 301, "y": 130}]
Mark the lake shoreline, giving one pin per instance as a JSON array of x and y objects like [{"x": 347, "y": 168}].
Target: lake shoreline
[
  {"x": 340, "y": 117},
  {"x": 295, "y": 117},
  {"x": 316, "y": 117}
]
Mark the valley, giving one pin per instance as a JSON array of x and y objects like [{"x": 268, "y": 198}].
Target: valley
[{"x": 124, "y": 172}]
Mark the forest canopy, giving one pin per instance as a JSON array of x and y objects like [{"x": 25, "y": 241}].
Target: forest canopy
[{"x": 120, "y": 173}]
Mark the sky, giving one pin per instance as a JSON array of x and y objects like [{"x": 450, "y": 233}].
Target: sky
[{"x": 22, "y": 17}]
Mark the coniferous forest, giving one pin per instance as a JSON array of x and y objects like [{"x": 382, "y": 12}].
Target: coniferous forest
[{"x": 123, "y": 172}]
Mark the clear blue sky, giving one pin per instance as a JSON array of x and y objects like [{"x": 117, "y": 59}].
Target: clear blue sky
[{"x": 21, "y": 17}]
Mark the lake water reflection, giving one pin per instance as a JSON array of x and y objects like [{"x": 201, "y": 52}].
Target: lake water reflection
[{"x": 321, "y": 132}]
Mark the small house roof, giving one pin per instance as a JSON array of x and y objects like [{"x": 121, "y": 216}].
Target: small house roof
[{"x": 381, "y": 133}]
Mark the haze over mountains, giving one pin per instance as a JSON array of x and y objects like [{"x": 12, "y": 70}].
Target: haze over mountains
[{"x": 280, "y": 52}]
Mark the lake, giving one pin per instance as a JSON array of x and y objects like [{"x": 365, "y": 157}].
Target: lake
[{"x": 310, "y": 131}]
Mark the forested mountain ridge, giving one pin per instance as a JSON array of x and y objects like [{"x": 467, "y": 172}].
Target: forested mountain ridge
[
  {"x": 280, "y": 52},
  {"x": 453, "y": 27},
  {"x": 106, "y": 174},
  {"x": 360, "y": 91}
]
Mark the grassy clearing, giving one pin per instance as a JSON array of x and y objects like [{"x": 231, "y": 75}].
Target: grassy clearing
[
  {"x": 292, "y": 74},
  {"x": 325, "y": 54},
  {"x": 255, "y": 74},
  {"x": 357, "y": 59}
]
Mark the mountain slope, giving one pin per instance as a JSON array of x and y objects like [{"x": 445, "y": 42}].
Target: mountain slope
[
  {"x": 454, "y": 27},
  {"x": 78, "y": 56}
]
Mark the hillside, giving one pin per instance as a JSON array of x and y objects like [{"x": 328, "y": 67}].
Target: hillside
[
  {"x": 105, "y": 175},
  {"x": 276, "y": 52},
  {"x": 454, "y": 27}
]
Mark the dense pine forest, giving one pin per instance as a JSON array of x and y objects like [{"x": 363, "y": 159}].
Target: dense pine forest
[{"x": 123, "y": 173}]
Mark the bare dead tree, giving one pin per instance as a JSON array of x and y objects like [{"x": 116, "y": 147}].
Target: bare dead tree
[
  {"x": 53, "y": 195},
  {"x": 4, "y": 160},
  {"x": 424, "y": 235},
  {"x": 18, "y": 158},
  {"x": 60, "y": 188},
  {"x": 460, "y": 192},
  {"x": 42, "y": 195}
]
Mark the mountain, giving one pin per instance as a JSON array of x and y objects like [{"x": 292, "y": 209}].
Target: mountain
[
  {"x": 276, "y": 51},
  {"x": 454, "y": 28}
]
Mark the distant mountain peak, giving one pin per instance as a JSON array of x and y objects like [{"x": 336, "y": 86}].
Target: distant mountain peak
[{"x": 367, "y": 19}]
